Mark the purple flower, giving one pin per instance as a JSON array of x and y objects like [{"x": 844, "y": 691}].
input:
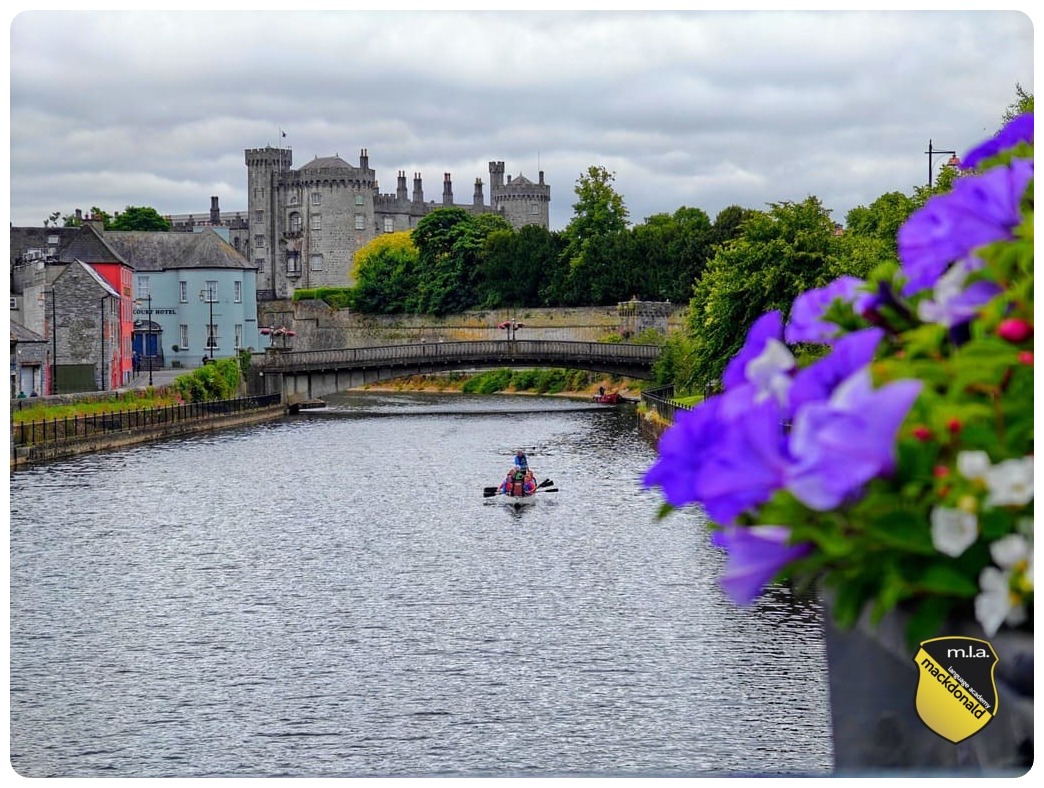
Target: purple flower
[
  {"x": 816, "y": 382},
  {"x": 1018, "y": 130},
  {"x": 953, "y": 304},
  {"x": 767, "y": 327},
  {"x": 806, "y": 315},
  {"x": 979, "y": 211},
  {"x": 727, "y": 454},
  {"x": 840, "y": 444},
  {"x": 755, "y": 556}
]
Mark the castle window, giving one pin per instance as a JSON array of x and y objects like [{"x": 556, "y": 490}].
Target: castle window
[
  {"x": 317, "y": 221},
  {"x": 317, "y": 198},
  {"x": 315, "y": 262},
  {"x": 295, "y": 222},
  {"x": 293, "y": 263},
  {"x": 389, "y": 224},
  {"x": 534, "y": 208},
  {"x": 358, "y": 199},
  {"x": 260, "y": 263},
  {"x": 360, "y": 221},
  {"x": 259, "y": 217},
  {"x": 259, "y": 241},
  {"x": 293, "y": 199}
]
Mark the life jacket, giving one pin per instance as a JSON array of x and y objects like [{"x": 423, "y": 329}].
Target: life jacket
[{"x": 518, "y": 484}]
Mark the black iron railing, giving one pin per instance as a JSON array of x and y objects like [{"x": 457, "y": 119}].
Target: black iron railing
[
  {"x": 661, "y": 401},
  {"x": 70, "y": 429}
]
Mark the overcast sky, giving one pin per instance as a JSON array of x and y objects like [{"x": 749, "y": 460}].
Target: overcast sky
[{"x": 701, "y": 109}]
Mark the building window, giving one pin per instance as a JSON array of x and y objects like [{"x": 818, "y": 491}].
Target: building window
[
  {"x": 317, "y": 221},
  {"x": 259, "y": 217},
  {"x": 315, "y": 262},
  {"x": 358, "y": 199},
  {"x": 183, "y": 333},
  {"x": 317, "y": 198},
  {"x": 183, "y": 292},
  {"x": 534, "y": 208},
  {"x": 389, "y": 224},
  {"x": 293, "y": 262},
  {"x": 260, "y": 263},
  {"x": 360, "y": 221},
  {"x": 144, "y": 291},
  {"x": 259, "y": 241},
  {"x": 209, "y": 293},
  {"x": 293, "y": 199},
  {"x": 52, "y": 240},
  {"x": 239, "y": 335},
  {"x": 237, "y": 292},
  {"x": 295, "y": 222}
]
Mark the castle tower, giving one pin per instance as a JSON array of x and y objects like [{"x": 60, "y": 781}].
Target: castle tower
[
  {"x": 447, "y": 190},
  {"x": 519, "y": 200},
  {"x": 265, "y": 166}
]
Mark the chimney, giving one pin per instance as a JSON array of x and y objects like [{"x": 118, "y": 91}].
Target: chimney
[
  {"x": 418, "y": 192},
  {"x": 364, "y": 160},
  {"x": 215, "y": 212},
  {"x": 478, "y": 199},
  {"x": 447, "y": 189},
  {"x": 400, "y": 189}
]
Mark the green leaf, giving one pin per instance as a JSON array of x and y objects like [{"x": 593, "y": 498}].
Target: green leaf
[{"x": 942, "y": 578}]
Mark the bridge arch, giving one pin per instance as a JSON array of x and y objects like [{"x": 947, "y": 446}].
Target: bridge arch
[{"x": 312, "y": 374}]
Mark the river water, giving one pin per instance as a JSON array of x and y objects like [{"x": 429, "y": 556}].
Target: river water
[{"x": 331, "y": 595}]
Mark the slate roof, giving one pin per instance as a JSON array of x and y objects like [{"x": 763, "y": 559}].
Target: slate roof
[
  {"x": 20, "y": 333},
  {"x": 326, "y": 162},
  {"x": 162, "y": 251},
  {"x": 74, "y": 243}
]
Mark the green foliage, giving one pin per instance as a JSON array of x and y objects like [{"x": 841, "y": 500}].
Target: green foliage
[
  {"x": 336, "y": 297},
  {"x": 386, "y": 275},
  {"x": 489, "y": 382},
  {"x": 213, "y": 381},
  {"x": 138, "y": 218},
  {"x": 540, "y": 381},
  {"x": 779, "y": 254}
]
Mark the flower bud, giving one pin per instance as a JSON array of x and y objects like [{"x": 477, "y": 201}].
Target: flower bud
[
  {"x": 1015, "y": 330},
  {"x": 968, "y": 503},
  {"x": 922, "y": 433},
  {"x": 1026, "y": 357},
  {"x": 940, "y": 471}
]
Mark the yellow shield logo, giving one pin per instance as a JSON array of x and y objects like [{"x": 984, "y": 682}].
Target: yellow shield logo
[{"x": 956, "y": 694}]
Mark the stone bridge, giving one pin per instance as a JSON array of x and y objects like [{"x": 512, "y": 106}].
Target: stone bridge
[{"x": 310, "y": 374}]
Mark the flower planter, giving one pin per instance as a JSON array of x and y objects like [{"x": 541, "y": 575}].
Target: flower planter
[{"x": 876, "y": 728}]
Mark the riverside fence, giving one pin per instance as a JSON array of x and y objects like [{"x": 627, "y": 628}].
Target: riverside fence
[
  {"x": 661, "y": 401},
  {"x": 51, "y": 438}
]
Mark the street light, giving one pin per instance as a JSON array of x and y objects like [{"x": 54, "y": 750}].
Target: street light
[
  {"x": 511, "y": 326},
  {"x": 148, "y": 332},
  {"x": 207, "y": 295},
  {"x": 932, "y": 152}
]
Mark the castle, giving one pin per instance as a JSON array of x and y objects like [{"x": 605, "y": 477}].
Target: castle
[{"x": 304, "y": 226}]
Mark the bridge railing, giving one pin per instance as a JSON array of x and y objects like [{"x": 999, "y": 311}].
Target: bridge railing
[{"x": 455, "y": 351}]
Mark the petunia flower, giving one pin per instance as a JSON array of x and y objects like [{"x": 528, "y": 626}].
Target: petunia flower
[
  {"x": 817, "y": 381},
  {"x": 755, "y": 556},
  {"x": 1019, "y": 129},
  {"x": 995, "y": 604},
  {"x": 980, "y": 210},
  {"x": 841, "y": 444},
  {"x": 770, "y": 372},
  {"x": 953, "y": 530},
  {"x": 767, "y": 327},
  {"x": 806, "y": 314},
  {"x": 973, "y": 465},
  {"x": 953, "y": 304}
]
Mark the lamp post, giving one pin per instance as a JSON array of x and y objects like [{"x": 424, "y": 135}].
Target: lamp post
[
  {"x": 54, "y": 343},
  {"x": 511, "y": 326},
  {"x": 932, "y": 152},
  {"x": 207, "y": 294},
  {"x": 148, "y": 332}
]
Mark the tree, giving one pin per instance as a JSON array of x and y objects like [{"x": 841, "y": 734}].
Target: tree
[
  {"x": 385, "y": 274},
  {"x": 671, "y": 252},
  {"x": 1022, "y": 104},
  {"x": 599, "y": 211},
  {"x": 516, "y": 266},
  {"x": 871, "y": 232},
  {"x": 450, "y": 242},
  {"x": 779, "y": 254},
  {"x": 138, "y": 218},
  {"x": 72, "y": 220}
]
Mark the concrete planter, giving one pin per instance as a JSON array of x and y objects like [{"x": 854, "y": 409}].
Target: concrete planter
[{"x": 876, "y": 727}]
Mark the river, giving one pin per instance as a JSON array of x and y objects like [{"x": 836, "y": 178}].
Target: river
[{"x": 330, "y": 595}]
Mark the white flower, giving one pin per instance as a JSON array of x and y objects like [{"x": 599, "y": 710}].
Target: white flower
[
  {"x": 1010, "y": 550},
  {"x": 973, "y": 464},
  {"x": 1010, "y": 482},
  {"x": 769, "y": 371},
  {"x": 953, "y": 530},
  {"x": 996, "y": 605}
]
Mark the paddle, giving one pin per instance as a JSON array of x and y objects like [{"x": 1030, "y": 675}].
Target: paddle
[
  {"x": 545, "y": 483},
  {"x": 549, "y": 489}
]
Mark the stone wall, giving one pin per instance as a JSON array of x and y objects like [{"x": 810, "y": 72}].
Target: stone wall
[{"x": 320, "y": 327}]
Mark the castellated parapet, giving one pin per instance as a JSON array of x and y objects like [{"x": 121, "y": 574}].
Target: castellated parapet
[{"x": 306, "y": 225}]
